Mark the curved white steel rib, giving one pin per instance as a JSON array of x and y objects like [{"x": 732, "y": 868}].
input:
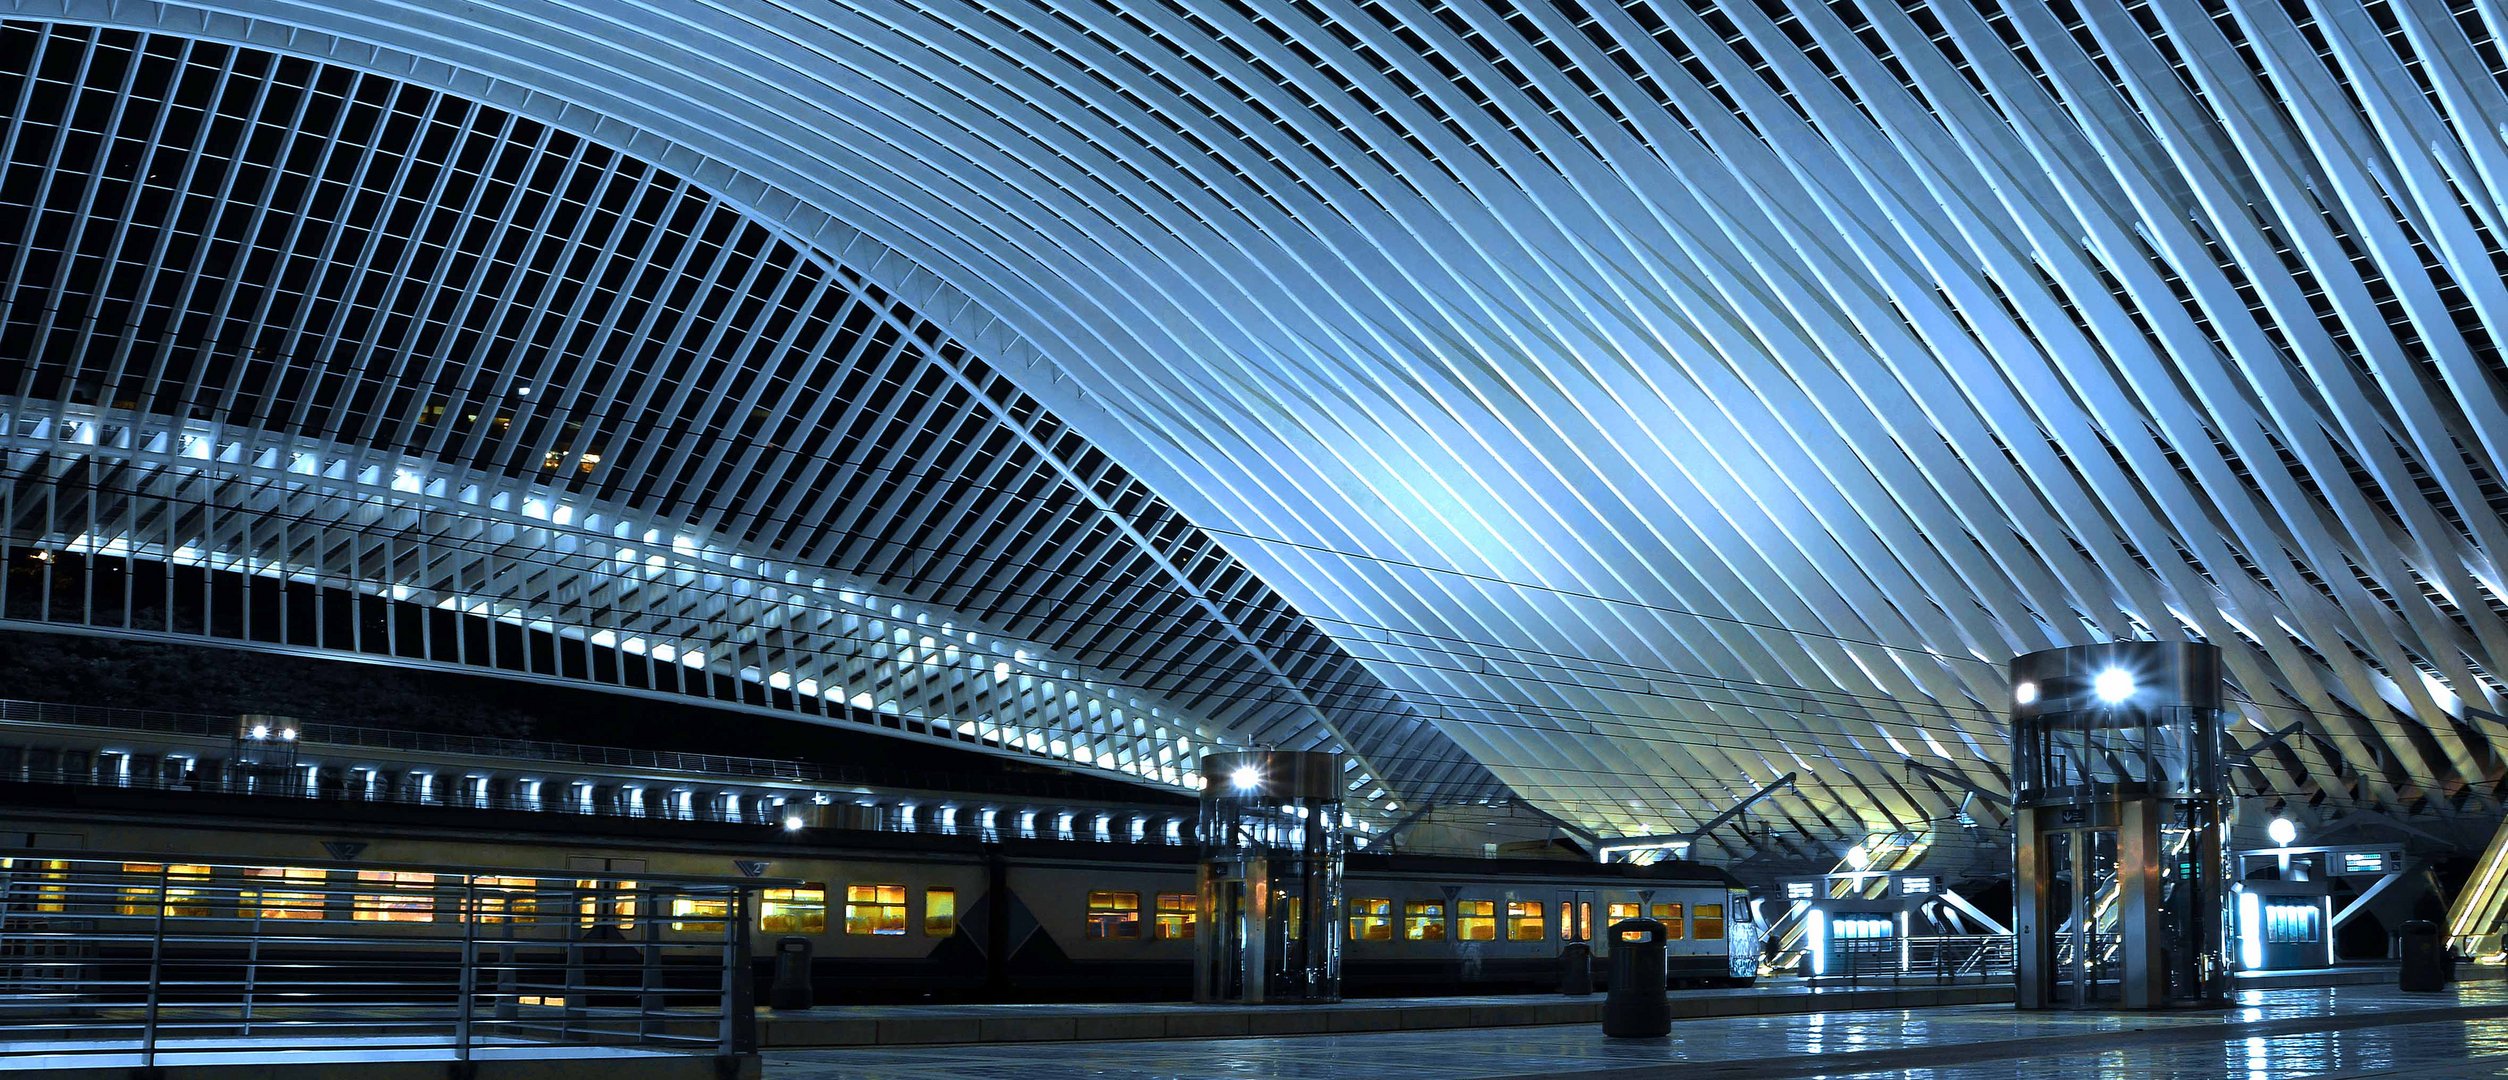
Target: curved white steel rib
[{"x": 1503, "y": 338}]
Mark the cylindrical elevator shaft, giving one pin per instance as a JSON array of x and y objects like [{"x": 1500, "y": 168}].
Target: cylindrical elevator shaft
[
  {"x": 1272, "y": 847},
  {"x": 2121, "y": 805}
]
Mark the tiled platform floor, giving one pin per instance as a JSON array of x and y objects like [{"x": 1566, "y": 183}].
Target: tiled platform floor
[
  {"x": 2352, "y": 1031},
  {"x": 891, "y": 1025},
  {"x": 929, "y": 1024}
]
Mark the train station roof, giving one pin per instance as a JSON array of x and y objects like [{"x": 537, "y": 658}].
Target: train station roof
[{"x": 1612, "y": 406}]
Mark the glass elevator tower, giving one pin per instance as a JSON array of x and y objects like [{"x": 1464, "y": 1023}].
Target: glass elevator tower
[
  {"x": 2121, "y": 804},
  {"x": 1272, "y": 846}
]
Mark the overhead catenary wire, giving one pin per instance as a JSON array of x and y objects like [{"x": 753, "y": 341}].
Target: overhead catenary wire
[
  {"x": 1061, "y": 487},
  {"x": 1874, "y": 705},
  {"x": 1460, "y": 701}
]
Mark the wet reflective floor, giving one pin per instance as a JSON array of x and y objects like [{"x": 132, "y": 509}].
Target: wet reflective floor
[{"x": 2354, "y": 1031}]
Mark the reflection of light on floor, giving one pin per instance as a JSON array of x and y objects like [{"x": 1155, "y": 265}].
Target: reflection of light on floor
[{"x": 1993, "y": 1039}]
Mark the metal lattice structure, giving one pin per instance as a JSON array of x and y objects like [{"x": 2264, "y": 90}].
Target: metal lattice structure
[
  {"x": 1628, "y": 402},
  {"x": 416, "y": 378}
]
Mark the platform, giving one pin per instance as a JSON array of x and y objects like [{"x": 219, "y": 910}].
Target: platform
[
  {"x": 2283, "y": 1034},
  {"x": 907, "y": 1025},
  {"x": 917, "y": 1025}
]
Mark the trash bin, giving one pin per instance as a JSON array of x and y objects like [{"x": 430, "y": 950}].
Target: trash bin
[
  {"x": 1576, "y": 969},
  {"x": 2424, "y": 967},
  {"x": 1635, "y": 1007},
  {"x": 791, "y": 989}
]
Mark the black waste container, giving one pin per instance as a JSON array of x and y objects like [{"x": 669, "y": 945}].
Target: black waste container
[
  {"x": 1576, "y": 969},
  {"x": 1635, "y": 1007},
  {"x": 2424, "y": 968},
  {"x": 791, "y": 989}
]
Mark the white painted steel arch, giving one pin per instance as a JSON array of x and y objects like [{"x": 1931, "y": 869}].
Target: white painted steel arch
[{"x": 1664, "y": 396}]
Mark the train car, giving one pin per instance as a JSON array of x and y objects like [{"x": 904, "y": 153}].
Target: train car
[
  {"x": 1417, "y": 924},
  {"x": 889, "y": 916}
]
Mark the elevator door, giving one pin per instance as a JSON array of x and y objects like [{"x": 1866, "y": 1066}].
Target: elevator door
[{"x": 2082, "y": 904}]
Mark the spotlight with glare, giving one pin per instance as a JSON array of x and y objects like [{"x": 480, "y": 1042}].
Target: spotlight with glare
[
  {"x": 2283, "y": 831},
  {"x": 287, "y": 734},
  {"x": 261, "y": 731},
  {"x": 2025, "y": 694},
  {"x": 2113, "y": 685},
  {"x": 1246, "y": 778},
  {"x": 793, "y": 823}
]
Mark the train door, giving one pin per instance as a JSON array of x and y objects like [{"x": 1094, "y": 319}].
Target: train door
[
  {"x": 1576, "y": 915},
  {"x": 605, "y": 903}
]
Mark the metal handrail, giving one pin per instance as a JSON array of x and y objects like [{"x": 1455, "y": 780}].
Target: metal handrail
[
  {"x": 146, "y": 959},
  {"x": 1940, "y": 958}
]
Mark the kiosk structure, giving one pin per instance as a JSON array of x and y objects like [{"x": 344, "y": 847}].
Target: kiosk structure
[
  {"x": 2289, "y": 907},
  {"x": 2121, "y": 808}
]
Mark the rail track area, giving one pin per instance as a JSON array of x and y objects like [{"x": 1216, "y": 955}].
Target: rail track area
[{"x": 2284, "y": 1034}]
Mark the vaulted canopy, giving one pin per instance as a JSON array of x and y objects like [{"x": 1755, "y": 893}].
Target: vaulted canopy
[{"x": 1612, "y": 405}]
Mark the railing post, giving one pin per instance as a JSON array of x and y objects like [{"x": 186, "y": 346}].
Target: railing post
[
  {"x": 739, "y": 1032},
  {"x": 508, "y": 995},
  {"x": 576, "y": 987},
  {"x": 17, "y": 971},
  {"x": 470, "y": 966},
  {"x": 156, "y": 974},
  {"x": 252, "y": 953},
  {"x": 649, "y": 1000}
]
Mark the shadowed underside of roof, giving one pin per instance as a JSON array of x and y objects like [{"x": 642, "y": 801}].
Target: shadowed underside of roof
[{"x": 282, "y": 323}]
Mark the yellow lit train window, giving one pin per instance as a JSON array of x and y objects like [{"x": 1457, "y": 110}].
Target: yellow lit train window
[
  {"x": 1670, "y": 916},
  {"x": 1584, "y": 920},
  {"x": 1371, "y": 920},
  {"x": 1524, "y": 921},
  {"x": 182, "y": 892},
  {"x": 271, "y": 901},
  {"x": 1177, "y": 912},
  {"x": 940, "y": 912},
  {"x": 1423, "y": 920},
  {"x": 1622, "y": 912},
  {"x": 403, "y": 896},
  {"x": 1289, "y": 910},
  {"x": 703, "y": 914},
  {"x": 1476, "y": 920},
  {"x": 504, "y": 899},
  {"x": 1114, "y": 914},
  {"x": 1708, "y": 922},
  {"x": 793, "y": 911},
  {"x": 48, "y": 876},
  {"x": 875, "y": 910}
]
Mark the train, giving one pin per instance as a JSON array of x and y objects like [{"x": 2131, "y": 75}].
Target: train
[{"x": 891, "y": 917}]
